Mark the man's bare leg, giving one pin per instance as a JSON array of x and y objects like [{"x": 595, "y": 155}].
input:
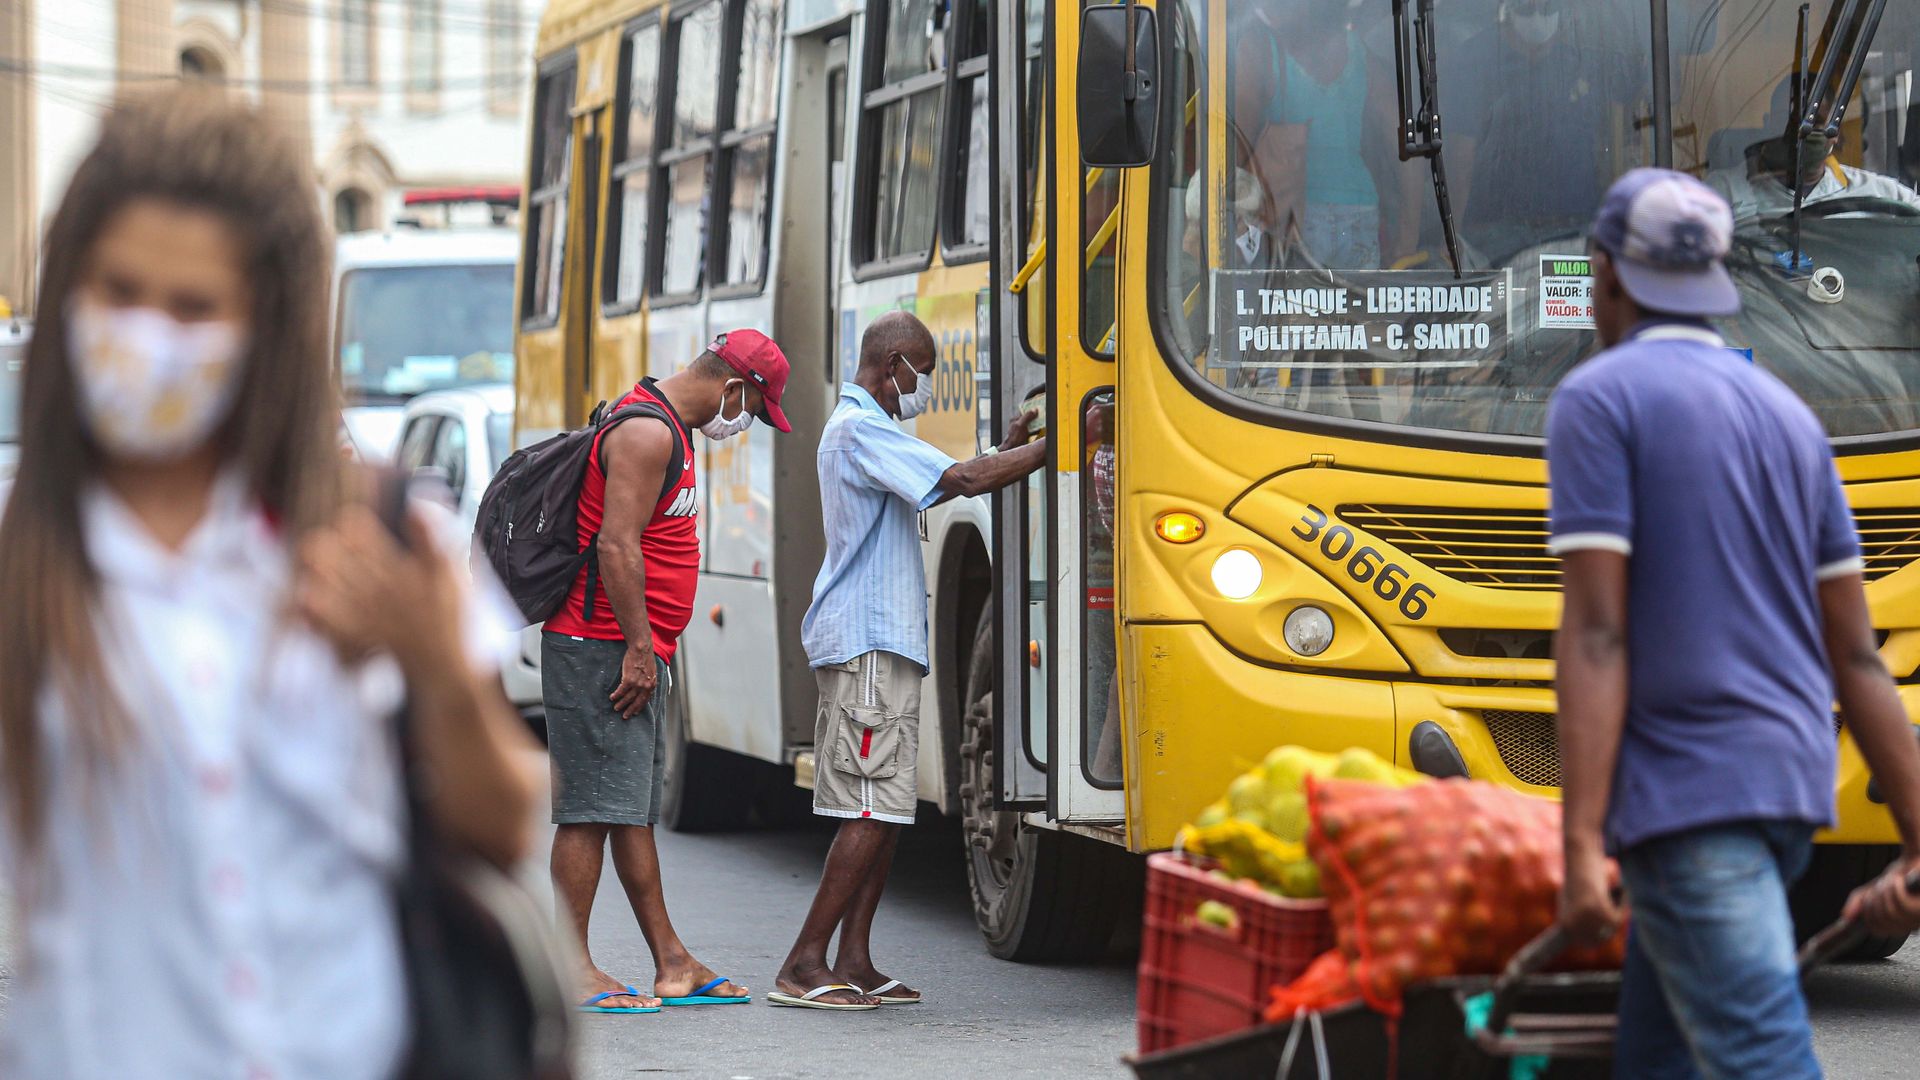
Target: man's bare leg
[
  {"x": 854, "y": 963},
  {"x": 852, "y": 862},
  {"x": 578, "y": 852},
  {"x": 675, "y": 972}
]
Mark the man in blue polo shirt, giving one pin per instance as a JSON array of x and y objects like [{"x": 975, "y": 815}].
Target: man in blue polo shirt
[
  {"x": 866, "y": 636},
  {"x": 1713, "y": 612}
]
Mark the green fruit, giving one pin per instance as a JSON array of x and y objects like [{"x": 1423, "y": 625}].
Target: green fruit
[
  {"x": 1214, "y": 814},
  {"x": 1247, "y": 793},
  {"x": 1287, "y": 767},
  {"x": 1215, "y": 913},
  {"x": 1287, "y": 816},
  {"x": 1300, "y": 880},
  {"x": 1256, "y": 818},
  {"x": 1357, "y": 763}
]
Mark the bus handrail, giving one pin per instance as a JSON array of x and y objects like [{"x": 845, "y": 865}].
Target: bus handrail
[{"x": 1034, "y": 262}]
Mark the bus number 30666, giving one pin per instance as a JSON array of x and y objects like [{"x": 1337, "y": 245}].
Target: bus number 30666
[{"x": 1389, "y": 579}]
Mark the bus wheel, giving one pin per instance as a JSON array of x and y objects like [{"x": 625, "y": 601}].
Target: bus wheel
[
  {"x": 1821, "y": 893},
  {"x": 702, "y": 791},
  {"x": 1037, "y": 894}
]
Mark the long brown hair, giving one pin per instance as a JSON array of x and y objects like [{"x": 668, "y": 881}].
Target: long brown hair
[{"x": 194, "y": 148}]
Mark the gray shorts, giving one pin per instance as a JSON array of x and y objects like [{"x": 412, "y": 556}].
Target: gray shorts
[
  {"x": 866, "y": 738},
  {"x": 607, "y": 769}
]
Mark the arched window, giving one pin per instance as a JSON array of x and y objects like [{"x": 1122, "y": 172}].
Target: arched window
[
  {"x": 352, "y": 210},
  {"x": 199, "y": 62}
]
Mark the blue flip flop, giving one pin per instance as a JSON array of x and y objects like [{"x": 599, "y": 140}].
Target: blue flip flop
[
  {"x": 701, "y": 997},
  {"x": 592, "y": 1004}
]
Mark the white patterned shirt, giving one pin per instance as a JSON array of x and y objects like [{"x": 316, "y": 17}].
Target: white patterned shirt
[{"x": 220, "y": 905}]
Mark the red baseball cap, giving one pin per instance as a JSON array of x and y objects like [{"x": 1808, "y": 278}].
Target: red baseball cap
[{"x": 760, "y": 361}]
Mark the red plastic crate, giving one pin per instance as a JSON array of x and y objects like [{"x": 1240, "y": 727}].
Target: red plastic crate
[{"x": 1198, "y": 980}]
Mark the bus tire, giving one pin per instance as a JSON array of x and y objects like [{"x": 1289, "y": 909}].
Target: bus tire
[
  {"x": 1821, "y": 894},
  {"x": 1038, "y": 895},
  {"x": 702, "y": 791}
]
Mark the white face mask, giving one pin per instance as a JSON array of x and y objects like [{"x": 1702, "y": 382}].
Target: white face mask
[
  {"x": 912, "y": 405},
  {"x": 150, "y": 387},
  {"x": 1536, "y": 29},
  {"x": 721, "y": 428}
]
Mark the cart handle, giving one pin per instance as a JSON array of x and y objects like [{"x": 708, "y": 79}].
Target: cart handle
[
  {"x": 1841, "y": 936},
  {"x": 1537, "y": 955},
  {"x": 1533, "y": 958}
]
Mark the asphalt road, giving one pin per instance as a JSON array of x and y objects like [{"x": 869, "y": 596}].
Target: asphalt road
[{"x": 738, "y": 899}]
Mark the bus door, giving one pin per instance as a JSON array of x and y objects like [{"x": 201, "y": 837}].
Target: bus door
[
  {"x": 1085, "y": 778},
  {"x": 1012, "y": 355}
]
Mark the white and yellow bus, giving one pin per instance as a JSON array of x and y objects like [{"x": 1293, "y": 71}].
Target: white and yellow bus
[{"x": 1294, "y": 382}]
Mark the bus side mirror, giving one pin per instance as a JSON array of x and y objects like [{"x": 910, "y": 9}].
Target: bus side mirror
[{"x": 1119, "y": 112}]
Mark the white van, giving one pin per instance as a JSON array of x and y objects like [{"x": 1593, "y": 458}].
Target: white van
[{"x": 417, "y": 310}]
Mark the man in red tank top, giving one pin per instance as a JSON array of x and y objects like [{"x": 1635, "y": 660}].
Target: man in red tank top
[{"x": 603, "y": 653}]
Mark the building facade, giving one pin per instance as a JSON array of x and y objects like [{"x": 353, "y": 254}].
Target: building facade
[{"x": 392, "y": 95}]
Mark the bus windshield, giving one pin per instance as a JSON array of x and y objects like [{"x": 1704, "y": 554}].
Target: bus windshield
[
  {"x": 1304, "y": 266},
  {"x": 404, "y": 330}
]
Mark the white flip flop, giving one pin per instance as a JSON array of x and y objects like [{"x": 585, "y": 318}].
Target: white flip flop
[
  {"x": 881, "y": 993},
  {"x": 811, "y": 999}
]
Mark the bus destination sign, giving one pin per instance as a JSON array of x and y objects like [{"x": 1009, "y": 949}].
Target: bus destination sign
[{"x": 1327, "y": 319}]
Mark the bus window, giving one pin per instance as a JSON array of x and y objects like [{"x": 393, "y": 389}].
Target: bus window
[
  {"x": 1860, "y": 215},
  {"x": 747, "y": 150},
  {"x": 1032, "y": 96},
  {"x": 901, "y": 114},
  {"x": 685, "y": 177},
  {"x": 625, "y": 274},
  {"x": 1100, "y": 247},
  {"x": 1100, "y": 700},
  {"x": 967, "y": 225},
  {"x": 1100, "y": 239},
  {"x": 547, "y": 205}
]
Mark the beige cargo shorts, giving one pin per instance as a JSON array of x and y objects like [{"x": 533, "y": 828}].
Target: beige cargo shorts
[{"x": 866, "y": 738}]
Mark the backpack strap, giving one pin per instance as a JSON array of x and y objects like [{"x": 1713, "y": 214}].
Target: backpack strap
[{"x": 676, "y": 467}]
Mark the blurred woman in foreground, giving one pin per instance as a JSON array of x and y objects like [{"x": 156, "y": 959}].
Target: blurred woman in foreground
[{"x": 207, "y": 639}]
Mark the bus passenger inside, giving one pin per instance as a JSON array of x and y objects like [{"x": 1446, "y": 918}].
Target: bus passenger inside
[
  {"x": 1530, "y": 116},
  {"x": 1318, "y": 108},
  {"x": 1249, "y": 242},
  {"x": 1759, "y": 188}
]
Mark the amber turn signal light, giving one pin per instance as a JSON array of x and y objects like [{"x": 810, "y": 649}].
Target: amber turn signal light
[{"x": 1179, "y": 527}]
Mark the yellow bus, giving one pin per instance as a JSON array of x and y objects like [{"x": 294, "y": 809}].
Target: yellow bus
[{"x": 1293, "y": 339}]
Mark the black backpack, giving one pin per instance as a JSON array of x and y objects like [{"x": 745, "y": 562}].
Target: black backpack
[{"x": 528, "y": 527}]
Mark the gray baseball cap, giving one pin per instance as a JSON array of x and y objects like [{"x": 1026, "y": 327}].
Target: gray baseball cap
[{"x": 1669, "y": 235}]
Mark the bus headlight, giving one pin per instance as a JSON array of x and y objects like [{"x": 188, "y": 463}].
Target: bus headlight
[
  {"x": 1236, "y": 573},
  {"x": 1308, "y": 630}
]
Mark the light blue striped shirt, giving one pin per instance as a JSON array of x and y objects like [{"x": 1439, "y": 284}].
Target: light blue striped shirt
[{"x": 875, "y": 479}]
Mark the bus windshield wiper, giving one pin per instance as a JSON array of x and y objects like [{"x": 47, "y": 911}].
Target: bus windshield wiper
[
  {"x": 1820, "y": 107},
  {"x": 1420, "y": 119}
]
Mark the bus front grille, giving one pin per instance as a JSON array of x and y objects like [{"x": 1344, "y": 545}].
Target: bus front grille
[
  {"x": 1528, "y": 745},
  {"x": 1497, "y": 549},
  {"x": 1507, "y": 549},
  {"x": 1889, "y": 539}
]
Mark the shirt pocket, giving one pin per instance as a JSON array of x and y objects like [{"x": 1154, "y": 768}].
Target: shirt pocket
[{"x": 866, "y": 741}]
